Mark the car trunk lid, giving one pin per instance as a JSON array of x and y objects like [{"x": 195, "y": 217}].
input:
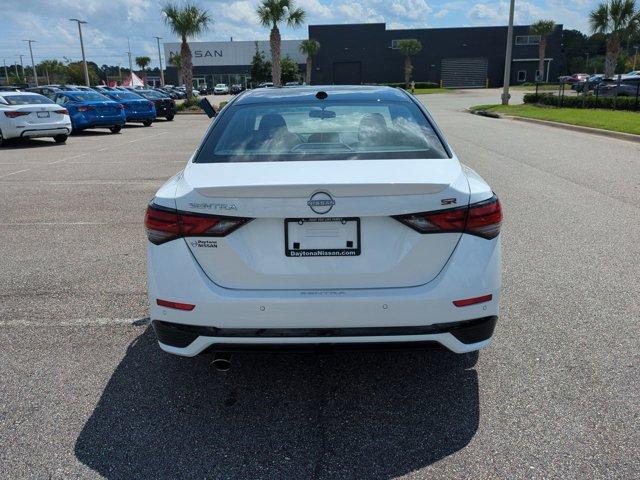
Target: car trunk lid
[{"x": 322, "y": 207}]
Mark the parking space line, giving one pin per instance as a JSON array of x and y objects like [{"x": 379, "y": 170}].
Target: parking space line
[
  {"x": 75, "y": 322},
  {"x": 130, "y": 141},
  {"x": 14, "y": 173},
  {"x": 84, "y": 154},
  {"x": 66, "y": 224}
]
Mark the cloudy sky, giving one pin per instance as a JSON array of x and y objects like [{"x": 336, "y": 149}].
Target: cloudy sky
[{"x": 112, "y": 21}]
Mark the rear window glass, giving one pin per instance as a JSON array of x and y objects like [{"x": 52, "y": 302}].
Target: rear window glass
[
  {"x": 87, "y": 97},
  {"x": 328, "y": 131},
  {"x": 123, "y": 95},
  {"x": 26, "y": 99},
  {"x": 153, "y": 94}
]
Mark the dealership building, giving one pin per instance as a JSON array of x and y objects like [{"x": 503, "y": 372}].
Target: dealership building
[{"x": 466, "y": 57}]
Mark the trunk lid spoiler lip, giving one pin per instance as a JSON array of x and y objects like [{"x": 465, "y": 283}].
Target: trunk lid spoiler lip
[{"x": 339, "y": 178}]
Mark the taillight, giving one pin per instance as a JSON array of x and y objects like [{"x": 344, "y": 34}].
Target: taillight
[
  {"x": 15, "y": 114},
  {"x": 484, "y": 218},
  {"x": 165, "y": 224},
  {"x": 126, "y": 106},
  {"x": 64, "y": 111},
  {"x": 85, "y": 108},
  {"x": 481, "y": 219}
]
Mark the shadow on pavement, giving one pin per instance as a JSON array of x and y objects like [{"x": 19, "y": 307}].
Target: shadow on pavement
[
  {"x": 20, "y": 143},
  {"x": 343, "y": 415}
]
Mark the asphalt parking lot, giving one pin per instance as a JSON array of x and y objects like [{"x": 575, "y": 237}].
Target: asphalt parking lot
[{"x": 86, "y": 393}]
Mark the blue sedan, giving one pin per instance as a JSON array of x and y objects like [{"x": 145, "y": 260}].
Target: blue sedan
[
  {"x": 91, "y": 110},
  {"x": 136, "y": 108}
]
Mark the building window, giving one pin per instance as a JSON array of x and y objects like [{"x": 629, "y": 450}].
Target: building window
[
  {"x": 522, "y": 75},
  {"x": 527, "y": 39},
  {"x": 394, "y": 43}
]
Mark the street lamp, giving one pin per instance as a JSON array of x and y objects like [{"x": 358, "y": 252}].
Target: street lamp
[
  {"x": 160, "y": 62},
  {"x": 84, "y": 60},
  {"x": 635, "y": 57},
  {"x": 6, "y": 74},
  {"x": 130, "y": 64},
  {"x": 507, "y": 57},
  {"x": 33, "y": 64}
]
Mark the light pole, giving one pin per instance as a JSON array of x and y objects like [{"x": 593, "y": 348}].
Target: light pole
[
  {"x": 84, "y": 60},
  {"x": 130, "y": 64},
  {"x": 33, "y": 64},
  {"x": 507, "y": 57},
  {"x": 635, "y": 57},
  {"x": 6, "y": 74},
  {"x": 160, "y": 62},
  {"x": 587, "y": 69},
  {"x": 22, "y": 67}
]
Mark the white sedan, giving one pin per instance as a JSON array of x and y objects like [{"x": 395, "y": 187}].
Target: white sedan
[
  {"x": 323, "y": 215},
  {"x": 29, "y": 115},
  {"x": 221, "y": 89}
]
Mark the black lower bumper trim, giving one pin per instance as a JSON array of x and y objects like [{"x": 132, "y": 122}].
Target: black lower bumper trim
[{"x": 180, "y": 336}]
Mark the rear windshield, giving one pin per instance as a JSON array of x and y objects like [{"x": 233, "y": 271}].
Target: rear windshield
[
  {"x": 124, "y": 95},
  {"x": 26, "y": 99},
  {"x": 331, "y": 131},
  {"x": 153, "y": 94},
  {"x": 87, "y": 96}
]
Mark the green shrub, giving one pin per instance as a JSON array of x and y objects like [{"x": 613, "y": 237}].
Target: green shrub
[
  {"x": 580, "y": 101},
  {"x": 189, "y": 105}
]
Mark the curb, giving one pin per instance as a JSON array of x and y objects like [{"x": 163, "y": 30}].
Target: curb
[
  {"x": 579, "y": 128},
  {"x": 630, "y": 137},
  {"x": 189, "y": 113}
]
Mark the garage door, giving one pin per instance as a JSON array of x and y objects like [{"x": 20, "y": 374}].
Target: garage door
[{"x": 464, "y": 72}]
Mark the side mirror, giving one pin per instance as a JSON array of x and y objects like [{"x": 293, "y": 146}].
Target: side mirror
[{"x": 207, "y": 107}]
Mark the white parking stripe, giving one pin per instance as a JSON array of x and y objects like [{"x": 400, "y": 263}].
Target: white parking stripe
[
  {"x": 75, "y": 322},
  {"x": 84, "y": 154},
  {"x": 13, "y": 173}
]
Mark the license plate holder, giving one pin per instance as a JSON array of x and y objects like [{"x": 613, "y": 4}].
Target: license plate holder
[
  {"x": 44, "y": 114},
  {"x": 322, "y": 237}
]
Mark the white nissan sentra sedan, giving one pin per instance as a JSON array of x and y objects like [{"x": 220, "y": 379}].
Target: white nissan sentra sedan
[
  {"x": 323, "y": 215},
  {"x": 31, "y": 115}
]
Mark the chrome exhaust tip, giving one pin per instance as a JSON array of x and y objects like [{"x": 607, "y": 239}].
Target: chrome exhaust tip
[{"x": 221, "y": 361}]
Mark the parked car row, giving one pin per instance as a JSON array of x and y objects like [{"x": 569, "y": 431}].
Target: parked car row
[
  {"x": 57, "y": 110},
  {"x": 625, "y": 86}
]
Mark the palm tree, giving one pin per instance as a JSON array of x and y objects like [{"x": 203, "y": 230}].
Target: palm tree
[
  {"x": 613, "y": 19},
  {"x": 310, "y": 48},
  {"x": 186, "y": 21},
  {"x": 271, "y": 13},
  {"x": 143, "y": 62},
  {"x": 542, "y": 28},
  {"x": 408, "y": 48}
]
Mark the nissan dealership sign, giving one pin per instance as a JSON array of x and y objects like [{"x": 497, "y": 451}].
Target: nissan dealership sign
[{"x": 204, "y": 54}]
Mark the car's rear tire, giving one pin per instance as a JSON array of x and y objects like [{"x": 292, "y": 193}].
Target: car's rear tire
[
  {"x": 115, "y": 129},
  {"x": 60, "y": 138},
  {"x": 169, "y": 118},
  {"x": 147, "y": 123},
  {"x": 1, "y": 138}
]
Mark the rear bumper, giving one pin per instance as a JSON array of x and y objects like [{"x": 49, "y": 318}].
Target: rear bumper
[
  {"x": 141, "y": 117},
  {"x": 423, "y": 313},
  {"x": 190, "y": 340},
  {"x": 45, "y": 132},
  {"x": 98, "y": 122}
]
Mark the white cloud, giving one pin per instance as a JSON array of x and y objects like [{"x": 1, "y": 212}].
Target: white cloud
[
  {"x": 411, "y": 9},
  {"x": 360, "y": 13},
  {"x": 441, "y": 13}
]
